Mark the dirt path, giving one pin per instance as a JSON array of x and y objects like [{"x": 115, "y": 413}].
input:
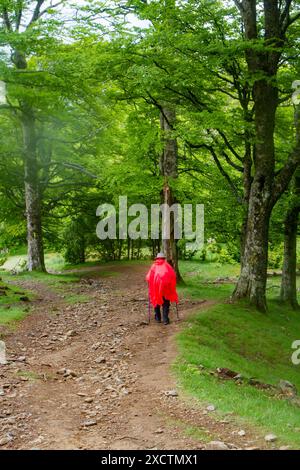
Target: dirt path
[{"x": 95, "y": 376}]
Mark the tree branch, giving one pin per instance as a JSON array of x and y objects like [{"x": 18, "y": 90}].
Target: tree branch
[
  {"x": 229, "y": 146},
  {"x": 220, "y": 168},
  {"x": 225, "y": 174},
  {"x": 38, "y": 13},
  {"x": 231, "y": 163},
  {"x": 6, "y": 19},
  {"x": 19, "y": 13}
]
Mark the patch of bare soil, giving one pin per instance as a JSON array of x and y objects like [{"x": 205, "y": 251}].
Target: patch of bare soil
[{"x": 95, "y": 375}]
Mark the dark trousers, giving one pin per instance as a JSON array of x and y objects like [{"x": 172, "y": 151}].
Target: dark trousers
[{"x": 165, "y": 310}]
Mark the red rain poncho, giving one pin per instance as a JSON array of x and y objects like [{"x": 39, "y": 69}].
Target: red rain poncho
[{"x": 162, "y": 282}]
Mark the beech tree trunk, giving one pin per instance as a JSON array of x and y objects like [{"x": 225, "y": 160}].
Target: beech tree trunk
[
  {"x": 288, "y": 292},
  {"x": 170, "y": 245},
  {"x": 168, "y": 168},
  {"x": 254, "y": 262},
  {"x": 35, "y": 248},
  {"x": 266, "y": 187},
  {"x": 253, "y": 275},
  {"x": 16, "y": 20},
  {"x": 82, "y": 250}
]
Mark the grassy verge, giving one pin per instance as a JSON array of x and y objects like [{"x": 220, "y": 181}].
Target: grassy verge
[
  {"x": 13, "y": 303},
  {"x": 9, "y": 316},
  {"x": 254, "y": 345},
  {"x": 13, "y": 309}
]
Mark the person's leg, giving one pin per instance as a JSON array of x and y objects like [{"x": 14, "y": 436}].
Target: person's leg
[
  {"x": 166, "y": 309},
  {"x": 157, "y": 313}
]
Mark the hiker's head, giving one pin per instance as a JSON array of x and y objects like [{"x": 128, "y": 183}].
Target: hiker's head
[{"x": 160, "y": 257}]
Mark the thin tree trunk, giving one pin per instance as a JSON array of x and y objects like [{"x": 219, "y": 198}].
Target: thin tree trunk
[
  {"x": 82, "y": 250},
  {"x": 120, "y": 242},
  {"x": 170, "y": 245},
  {"x": 288, "y": 292},
  {"x": 168, "y": 167},
  {"x": 32, "y": 195},
  {"x": 153, "y": 248}
]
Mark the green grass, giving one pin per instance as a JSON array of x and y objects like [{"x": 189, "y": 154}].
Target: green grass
[
  {"x": 237, "y": 337},
  {"x": 12, "y": 315},
  {"x": 72, "y": 299},
  {"x": 12, "y": 295},
  {"x": 61, "y": 283},
  {"x": 195, "y": 432},
  {"x": 199, "y": 279},
  {"x": 28, "y": 374},
  {"x": 53, "y": 280},
  {"x": 12, "y": 308}
]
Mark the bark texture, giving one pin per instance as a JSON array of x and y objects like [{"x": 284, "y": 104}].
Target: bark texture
[
  {"x": 168, "y": 168},
  {"x": 288, "y": 291},
  {"x": 35, "y": 248},
  {"x": 266, "y": 187}
]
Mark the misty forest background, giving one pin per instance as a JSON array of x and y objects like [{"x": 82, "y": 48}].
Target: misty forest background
[{"x": 162, "y": 101}]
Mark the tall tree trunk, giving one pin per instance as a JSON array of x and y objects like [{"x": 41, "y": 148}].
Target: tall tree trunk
[
  {"x": 168, "y": 168},
  {"x": 120, "y": 247},
  {"x": 170, "y": 245},
  {"x": 288, "y": 292},
  {"x": 82, "y": 250},
  {"x": 128, "y": 248},
  {"x": 253, "y": 275},
  {"x": 254, "y": 262},
  {"x": 35, "y": 248},
  {"x": 266, "y": 188}
]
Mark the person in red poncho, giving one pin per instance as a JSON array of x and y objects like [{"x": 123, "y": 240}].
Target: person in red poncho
[{"x": 161, "y": 280}]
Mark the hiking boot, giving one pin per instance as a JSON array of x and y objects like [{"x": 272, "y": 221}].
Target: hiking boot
[
  {"x": 166, "y": 322},
  {"x": 157, "y": 318}
]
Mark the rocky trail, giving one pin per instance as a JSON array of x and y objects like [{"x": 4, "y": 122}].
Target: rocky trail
[{"x": 95, "y": 375}]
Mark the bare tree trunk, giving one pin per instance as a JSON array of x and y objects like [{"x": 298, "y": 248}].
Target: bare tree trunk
[
  {"x": 288, "y": 292},
  {"x": 254, "y": 262},
  {"x": 128, "y": 248},
  {"x": 120, "y": 247},
  {"x": 253, "y": 275},
  {"x": 266, "y": 187},
  {"x": 32, "y": 195},
  {"x": 82, "y": 250},
  {"x": 153, "y": 248},
  {"x": 168, "y": 168},
  {"x": 170, "y": 245}
]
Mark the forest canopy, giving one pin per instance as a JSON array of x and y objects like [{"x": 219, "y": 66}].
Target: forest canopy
[{"x": 161, "y": 101}]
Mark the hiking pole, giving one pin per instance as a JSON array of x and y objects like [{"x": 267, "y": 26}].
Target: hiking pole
[
  {"x": 177, "y": 312},
  {"x": 149, "y": 309}
]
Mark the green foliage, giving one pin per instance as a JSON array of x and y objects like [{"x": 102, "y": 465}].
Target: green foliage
[
  {"x": 9, "y": 316},
  {"x": 74, "y": 242},
  {"x": 12, "y": 305},
  {"x": 275, "y": 256},
  {"x": 3, "y": 258},
  {"x": 97, "y": 93},
  {"x": 262, "y": 350},
  {"x": 218, "y": 252}
]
